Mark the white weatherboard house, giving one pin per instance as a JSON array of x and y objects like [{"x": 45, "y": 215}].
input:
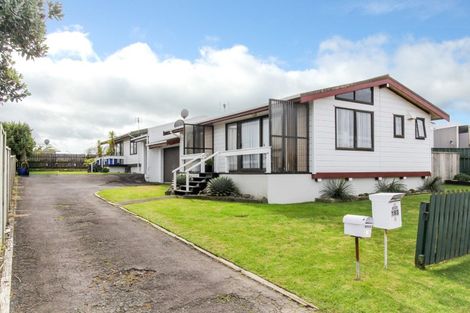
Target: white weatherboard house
[
  {"x": 130, "y": 153},
  {"x": 163, "y": 152},
  {"x": 286, "y": 150}
]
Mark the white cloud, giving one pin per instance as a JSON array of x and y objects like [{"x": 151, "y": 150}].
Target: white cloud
[
  {"x": 77, "y": 97},
  {"x": 422, "y": 8},
  {"x": 70, "y": 43}
]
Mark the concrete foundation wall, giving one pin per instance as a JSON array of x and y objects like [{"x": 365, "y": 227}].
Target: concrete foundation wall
[{"x": 298, "y": 188}]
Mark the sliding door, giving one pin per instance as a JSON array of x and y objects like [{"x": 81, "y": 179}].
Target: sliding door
[{"x": 289, "y": 136}]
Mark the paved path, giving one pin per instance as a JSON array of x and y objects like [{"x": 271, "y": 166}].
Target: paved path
[{"x": 75, "y": 253}]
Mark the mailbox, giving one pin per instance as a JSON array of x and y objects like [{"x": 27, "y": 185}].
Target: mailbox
[
  {"x": 358, "y": 226},
  {"x": 386, "y": 210}
]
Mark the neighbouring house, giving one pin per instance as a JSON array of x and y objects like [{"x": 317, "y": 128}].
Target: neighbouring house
[
  {"x": 130, "y": 153},
  {"x": 455, "y": 136},
  {"x": 164, "y": 152},
  {"x": 286, "y": 149}
]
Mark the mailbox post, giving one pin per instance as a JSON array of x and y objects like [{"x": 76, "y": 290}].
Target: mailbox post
[
  {"x": 357, "y": 226},
  {"x": 386, "y": 212}
]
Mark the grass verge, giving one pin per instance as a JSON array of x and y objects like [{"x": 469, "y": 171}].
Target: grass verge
[{"x": 122, "y": 194}]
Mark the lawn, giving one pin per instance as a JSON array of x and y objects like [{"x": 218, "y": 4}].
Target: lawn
[
  {"x": 122, "y": 194},
  {"x": 302, "y": 248}
]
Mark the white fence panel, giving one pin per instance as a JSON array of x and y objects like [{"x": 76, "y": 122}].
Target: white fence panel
[
  {"x": 445, "y": 164},
  {"x": 7, "y": 180}
]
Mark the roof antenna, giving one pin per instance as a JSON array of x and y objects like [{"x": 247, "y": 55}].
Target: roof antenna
[{"x": 138, "y": 120}]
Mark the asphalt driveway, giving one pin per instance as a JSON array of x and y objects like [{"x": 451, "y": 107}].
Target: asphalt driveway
[{"x": 75, "y": 253}]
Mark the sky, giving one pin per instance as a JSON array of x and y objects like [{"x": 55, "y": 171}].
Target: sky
[{"x": 111, "y": 62}]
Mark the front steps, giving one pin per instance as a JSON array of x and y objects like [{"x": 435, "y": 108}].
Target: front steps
[{"x": 197, "y": 183}]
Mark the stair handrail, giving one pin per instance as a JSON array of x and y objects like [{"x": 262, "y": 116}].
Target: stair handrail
[
  {"x": 178, "y": 169},
  {"x": 202, "y": 161}
]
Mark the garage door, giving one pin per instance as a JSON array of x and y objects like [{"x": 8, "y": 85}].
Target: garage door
[{"x": 171, "y": 160}]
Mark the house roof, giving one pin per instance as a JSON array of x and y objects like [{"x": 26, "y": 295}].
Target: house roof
[
  {"x": 380, "y": 81},
  {"x": 132, "y": 134}
]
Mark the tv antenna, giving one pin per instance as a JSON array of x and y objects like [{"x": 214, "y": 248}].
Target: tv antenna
[{"x": 138, "y": 120}]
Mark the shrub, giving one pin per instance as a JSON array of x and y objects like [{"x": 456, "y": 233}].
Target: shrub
[
  {"x": 462, "y": 177},
  {"x": 390, "y": 186},
  {"x": 180, "y": 179},
  {"x": 337, "y": 189},
  {"x": 222, "y": 187},
  {"x": 105, "y": 170},
  {"x": 432, "y": 184}
]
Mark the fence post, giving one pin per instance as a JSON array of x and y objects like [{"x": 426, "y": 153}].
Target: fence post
[
  {"x": 420, "y": 241},
  {"x": 2, "y": 182}
]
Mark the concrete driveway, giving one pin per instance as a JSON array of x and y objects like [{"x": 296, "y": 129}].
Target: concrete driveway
[{"x": 75, "y": 253}]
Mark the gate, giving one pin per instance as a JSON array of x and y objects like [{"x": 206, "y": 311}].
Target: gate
[
  {"x": 443, "y": 228},
  {"x": 464, "y": 157}
]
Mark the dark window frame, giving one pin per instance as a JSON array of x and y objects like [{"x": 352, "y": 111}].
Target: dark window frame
[
  {"x": 355, "y": 148},
  {"x": 354, "y": 97},
  {"x": 203, "y": 148},
  {"x": 402, "y": 117},
  {"x": 239, "y": 164},
  {"x": 133, "y": 147},
  {"x": 283, "y": 137},
  {"x": 417, "y": 136}
]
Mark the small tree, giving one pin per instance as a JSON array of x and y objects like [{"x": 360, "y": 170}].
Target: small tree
[
  {"x": 22, "y": 30},
  {"x": 111, "y": 143},
  {"x": 99, "y": 149},
  {"x": 19, "y": 139}
]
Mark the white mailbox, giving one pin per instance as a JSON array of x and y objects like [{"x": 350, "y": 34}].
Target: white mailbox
[
  {"x": 358, "y": 226},
  {"x": 386, "y": 210}
]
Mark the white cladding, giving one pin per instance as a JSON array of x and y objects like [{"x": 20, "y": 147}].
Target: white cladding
[{"x": 390, "y": 154}]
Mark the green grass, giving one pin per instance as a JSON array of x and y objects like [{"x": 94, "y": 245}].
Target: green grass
[
  {"x": 302, "y": 248},
  {"x": 122, "y": 194}
]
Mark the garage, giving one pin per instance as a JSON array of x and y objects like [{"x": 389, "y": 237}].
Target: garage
[{"x": 171, "y": 160}]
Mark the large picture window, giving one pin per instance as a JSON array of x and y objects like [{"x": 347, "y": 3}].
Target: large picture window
[
  {"x": 420, "y": 128},
  {"x": 354, "y": 129},
  {"x": 244, "y": 135},
  {"x": 289, "y": 136}
]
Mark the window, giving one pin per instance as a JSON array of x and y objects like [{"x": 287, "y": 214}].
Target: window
[
  {"x": 133, "y": 147},
  {"x": 398, "y": 126},
  {"x": 198, "y": 139},
  {"x": 354, "y": 130},
  {"x": 463, "y": 129},
  {"x": 252, "y": 133},
  {"x": 289, "y": 136},
  {"x": 365, "y": 96},
  {"x": 118, "y": 149},
  {"x": 420, "y": 128}
]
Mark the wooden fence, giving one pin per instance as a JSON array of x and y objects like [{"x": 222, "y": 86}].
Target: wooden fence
[
  {"x": 443, "y": 228},
  {"x": 445, "y": 164},
  {"x": 58, "y": 160},
  {"x": 464, "y": 157},
  {"x": 7, "y": 180}
]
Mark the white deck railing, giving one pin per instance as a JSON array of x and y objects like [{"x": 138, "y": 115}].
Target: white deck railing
[
  {"x": 247, "y": 151},
  {"x": 192, "y": 161}
]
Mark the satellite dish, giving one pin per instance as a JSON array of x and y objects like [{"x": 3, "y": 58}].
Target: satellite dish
[
  {"x": 46, "y": 142},
  {"x": 178, "y": 124},
  {"x": 184, "y": 113}
]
